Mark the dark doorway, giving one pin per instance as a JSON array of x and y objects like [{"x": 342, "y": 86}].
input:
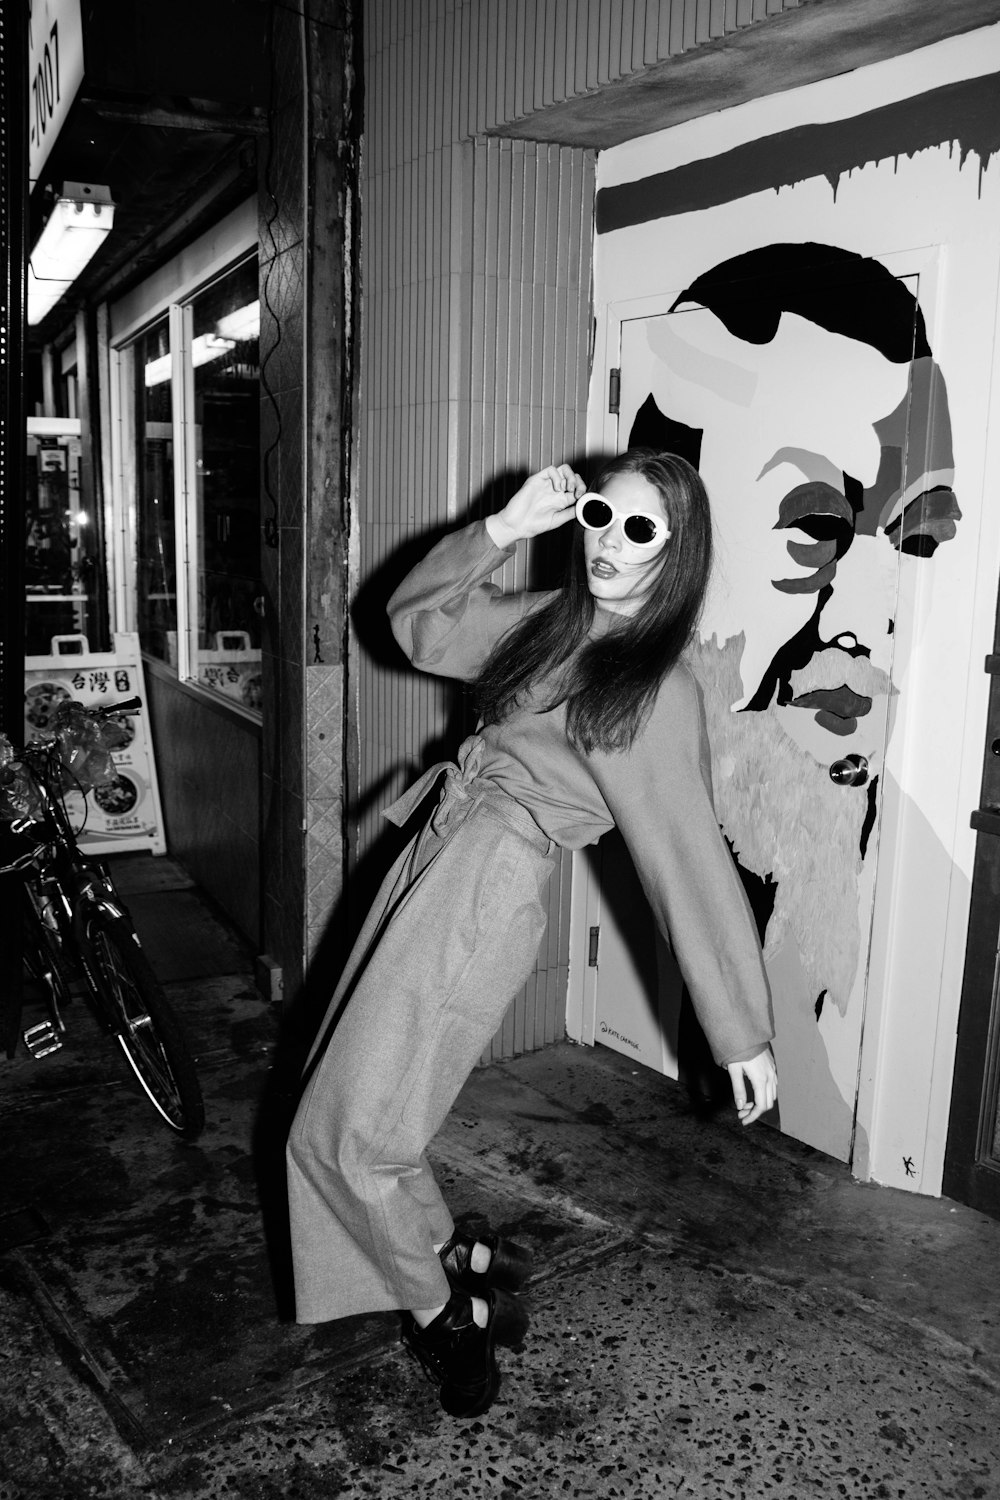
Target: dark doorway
[{"x": 972, "y": 1157}]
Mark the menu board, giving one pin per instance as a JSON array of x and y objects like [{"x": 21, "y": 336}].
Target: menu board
[{"x": 126, "y": 814}]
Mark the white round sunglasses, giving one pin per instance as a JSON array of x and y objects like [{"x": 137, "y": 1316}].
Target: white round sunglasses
[{"x": 641, "y": 527}]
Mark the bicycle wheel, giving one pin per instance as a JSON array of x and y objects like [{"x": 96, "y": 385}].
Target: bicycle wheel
[{"x": 147, "y": 1029}]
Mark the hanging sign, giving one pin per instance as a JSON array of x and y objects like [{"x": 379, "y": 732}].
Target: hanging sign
[
  {"x": 55, "y": 73},
  {"x": 126, "y": 813}
]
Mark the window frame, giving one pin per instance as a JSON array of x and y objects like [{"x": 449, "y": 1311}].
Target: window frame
[{"x": 172, "y": 290}]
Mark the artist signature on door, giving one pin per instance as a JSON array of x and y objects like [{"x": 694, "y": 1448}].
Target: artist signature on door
[{"x": 607, "y": 1030}]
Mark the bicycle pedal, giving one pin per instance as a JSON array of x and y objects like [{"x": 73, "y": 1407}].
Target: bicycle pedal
[{"x": 42, "y": 1039}]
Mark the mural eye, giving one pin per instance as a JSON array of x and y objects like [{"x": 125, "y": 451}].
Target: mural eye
[
  {"x": 928, "y": 520},
  {"x": 823, "y": 514},
  {"x": 823, "y": 528}
]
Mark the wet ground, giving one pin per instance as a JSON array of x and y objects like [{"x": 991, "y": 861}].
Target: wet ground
[{"x": 714, "y": 1312}]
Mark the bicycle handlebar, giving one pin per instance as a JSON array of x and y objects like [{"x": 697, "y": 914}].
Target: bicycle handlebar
[{"x": 128, "y": 706}]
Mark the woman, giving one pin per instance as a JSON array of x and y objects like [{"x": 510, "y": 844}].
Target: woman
[{"x": 588, "y": 720}]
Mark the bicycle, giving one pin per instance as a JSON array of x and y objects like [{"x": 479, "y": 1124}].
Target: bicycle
[{"x": 78, "y": 934}]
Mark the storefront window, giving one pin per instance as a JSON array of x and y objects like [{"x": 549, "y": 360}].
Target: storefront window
[
  {"x": 196, "y": 529},
  {"x": 156, "y": 562},
  {"x": 63, "y": 574},
  {"x": 225, "y": 633}
]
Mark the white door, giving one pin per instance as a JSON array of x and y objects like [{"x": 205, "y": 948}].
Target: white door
[{"x": 816, "y": 448}]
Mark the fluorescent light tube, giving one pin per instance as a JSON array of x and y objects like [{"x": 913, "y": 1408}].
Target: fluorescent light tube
[{"x": 76, "y": 229}]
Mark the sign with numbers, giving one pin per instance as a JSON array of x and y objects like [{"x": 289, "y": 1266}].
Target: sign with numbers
[
  {"x": 126, "y": 813},
  {"x": 55, "y": 72}
]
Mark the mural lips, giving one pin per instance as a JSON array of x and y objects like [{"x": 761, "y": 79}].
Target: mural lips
[
  {"x": 840, "y": 688},
  {"x": 839, "y": 709}
]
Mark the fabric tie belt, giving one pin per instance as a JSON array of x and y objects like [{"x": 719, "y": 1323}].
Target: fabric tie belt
[{"x": 463, "y": 783}]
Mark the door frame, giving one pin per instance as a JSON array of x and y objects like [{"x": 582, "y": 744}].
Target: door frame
[{"x": 972, "y": 1166}]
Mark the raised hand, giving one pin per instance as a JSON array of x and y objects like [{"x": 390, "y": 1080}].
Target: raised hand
[{"x": 545, "y": 500}]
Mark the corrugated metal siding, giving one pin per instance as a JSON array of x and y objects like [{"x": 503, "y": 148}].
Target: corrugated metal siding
[
  {"x": 500, "y": 60},
  {"x": 476, "y": 270},
  {"x": 476, "y": 364}
]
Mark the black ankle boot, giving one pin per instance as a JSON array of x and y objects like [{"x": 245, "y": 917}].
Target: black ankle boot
[
  {"x": 509, "y": 1267},
  {"x": 459, "y": 1356}
]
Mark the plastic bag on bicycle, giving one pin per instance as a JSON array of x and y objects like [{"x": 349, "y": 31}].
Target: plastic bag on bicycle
[
  {"x": 85, "y": 745},
  {"x": 19, "y": 796}
]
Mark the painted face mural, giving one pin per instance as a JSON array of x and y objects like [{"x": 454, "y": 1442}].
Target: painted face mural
[{"x": 799, "y": 381}]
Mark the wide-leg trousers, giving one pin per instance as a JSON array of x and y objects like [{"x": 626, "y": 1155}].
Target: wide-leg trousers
[{"x": 450, "y": 940}]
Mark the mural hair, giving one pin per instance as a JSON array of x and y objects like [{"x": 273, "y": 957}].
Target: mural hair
[
  {"x": 846, "y": 293},
  {"x": 610, "y": 684}
]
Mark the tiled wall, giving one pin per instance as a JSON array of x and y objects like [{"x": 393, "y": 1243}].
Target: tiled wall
[{"x": 476, "y": 257}]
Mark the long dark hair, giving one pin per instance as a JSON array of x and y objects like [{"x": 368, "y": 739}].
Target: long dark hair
[{"x": 612, "y": 681}]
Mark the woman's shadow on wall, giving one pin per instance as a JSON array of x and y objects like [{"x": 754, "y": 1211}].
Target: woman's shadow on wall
[
  {"x": 305, "y": 1015},
  {"x": 655, "y": 982}
]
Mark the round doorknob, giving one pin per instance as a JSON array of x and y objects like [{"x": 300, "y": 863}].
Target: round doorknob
[{"x": 851, "y": 771}]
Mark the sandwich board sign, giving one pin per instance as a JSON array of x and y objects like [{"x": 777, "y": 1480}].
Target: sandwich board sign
[{"x": 125, "y": 814}]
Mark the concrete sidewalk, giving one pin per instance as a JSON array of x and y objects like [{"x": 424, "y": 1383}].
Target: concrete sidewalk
[{"x": 715, "y": 1313}]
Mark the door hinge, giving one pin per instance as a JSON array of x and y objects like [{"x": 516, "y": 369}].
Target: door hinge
[
  {"x": 614, "y": 391},
  {"x": 595, "y": 943}
]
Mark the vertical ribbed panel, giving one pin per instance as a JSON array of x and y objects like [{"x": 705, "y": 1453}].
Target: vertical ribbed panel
[
  {"x": 503, "y": 59},
  {"x": 476, "y": 365},
  {"x": 476, "y": 346},
  {"x": 527, "y": 385},
  {"x": 476, "y": 271}
]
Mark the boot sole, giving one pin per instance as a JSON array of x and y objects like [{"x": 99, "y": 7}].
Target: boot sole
[
  {"x": 508, "y": 1324},
  {"x": 462, "y": 1403},
  {"x": 510, "y": 1267},
  {"x": 510, "y": 1319}
]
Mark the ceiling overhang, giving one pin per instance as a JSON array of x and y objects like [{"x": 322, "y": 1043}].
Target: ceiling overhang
[
  {"x": 168, "y": 127},
  {"x": 818, "y": 39}
]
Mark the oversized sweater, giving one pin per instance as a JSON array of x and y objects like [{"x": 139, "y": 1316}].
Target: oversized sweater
[{"x": 448, "y": 617}]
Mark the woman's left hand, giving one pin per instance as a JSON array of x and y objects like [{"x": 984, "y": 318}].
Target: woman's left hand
[{"x": 762, "y": 1076}]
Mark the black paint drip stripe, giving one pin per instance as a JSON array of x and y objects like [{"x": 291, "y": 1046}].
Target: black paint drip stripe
[{"x": 967, "y": 112}]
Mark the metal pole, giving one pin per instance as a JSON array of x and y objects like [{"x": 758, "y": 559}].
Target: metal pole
[{"x": 13, "y": 255}]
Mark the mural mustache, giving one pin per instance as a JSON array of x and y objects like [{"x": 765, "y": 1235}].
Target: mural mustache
[{"x": 840, "y": 687}]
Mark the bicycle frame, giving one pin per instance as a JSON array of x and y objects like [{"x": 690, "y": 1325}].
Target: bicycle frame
[
  {"x": 75, "y": 886},
  {"x": 80, "y": 934},
  {"x": 63, "y": 887}
]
